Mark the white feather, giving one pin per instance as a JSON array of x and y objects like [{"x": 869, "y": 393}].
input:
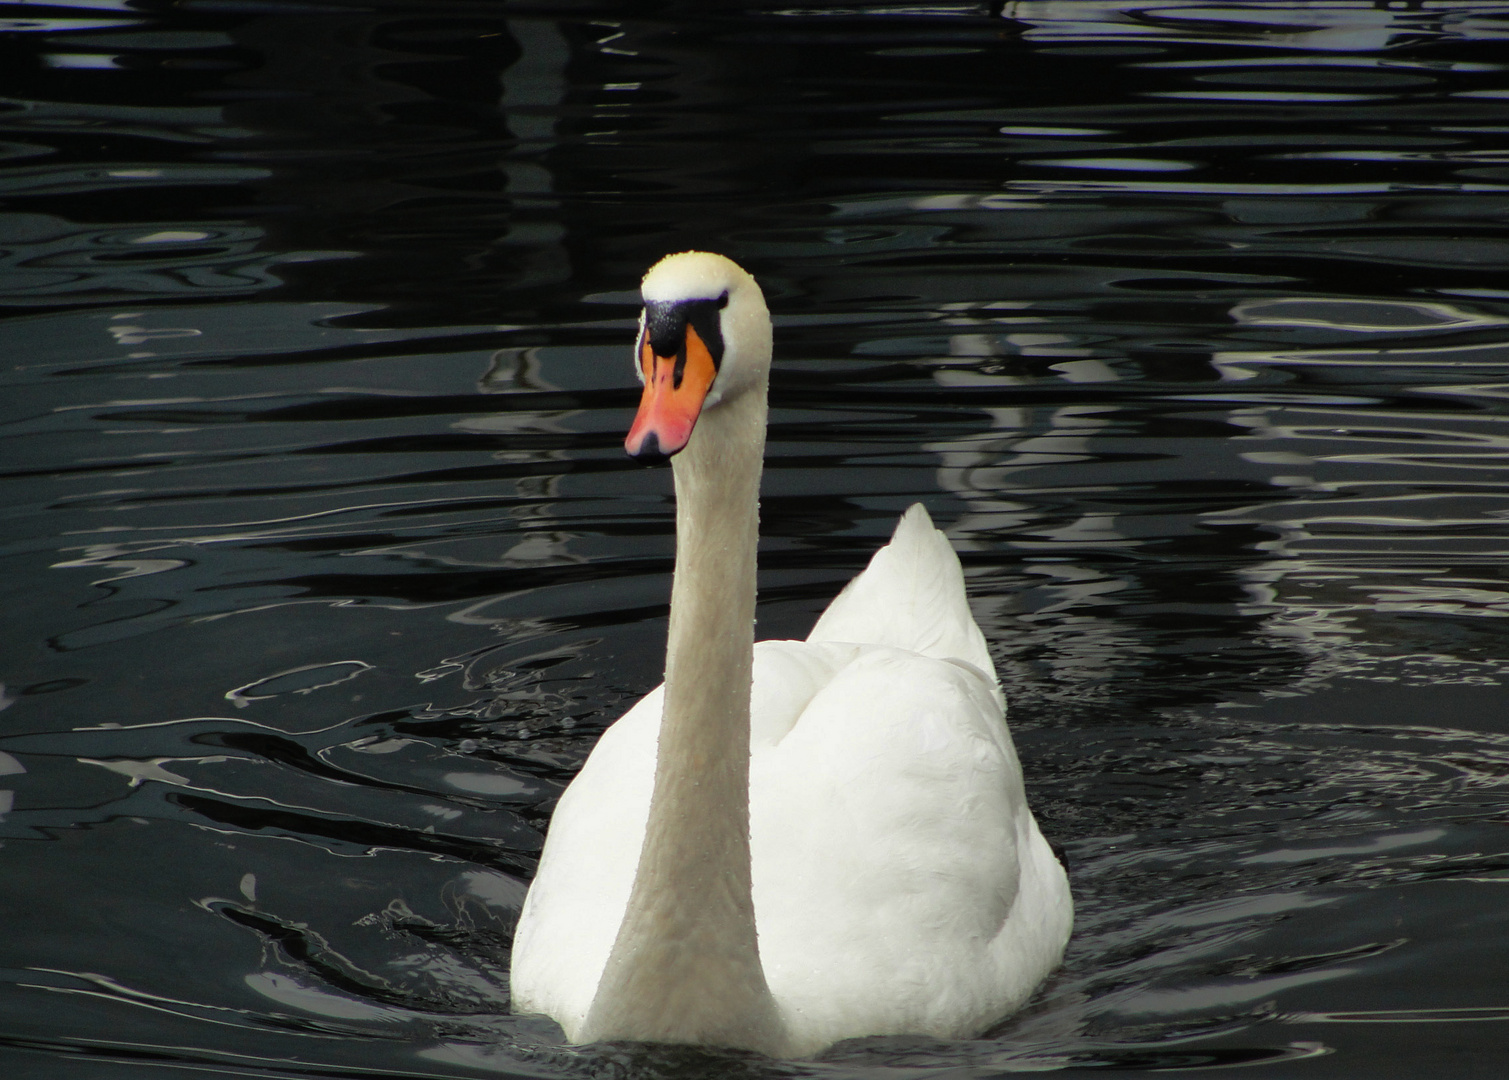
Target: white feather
[
  {"x": 911, "y": 596},
  {"x": 900, "y": 881},
  {"x": 892, "y": 879}
]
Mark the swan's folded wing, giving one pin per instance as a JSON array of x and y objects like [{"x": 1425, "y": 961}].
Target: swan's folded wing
[
  {"x": 900, "y": 882},
  {"x": 911, "y": 596}
]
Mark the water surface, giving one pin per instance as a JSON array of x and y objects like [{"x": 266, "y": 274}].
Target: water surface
[{"x": 324, "y": 565}]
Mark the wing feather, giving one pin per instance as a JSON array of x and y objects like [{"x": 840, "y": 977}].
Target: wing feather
[{"x": 911, "y": 596}]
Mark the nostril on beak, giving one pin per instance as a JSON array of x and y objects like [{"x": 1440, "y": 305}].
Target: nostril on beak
[{"x": 649, "y": 451}]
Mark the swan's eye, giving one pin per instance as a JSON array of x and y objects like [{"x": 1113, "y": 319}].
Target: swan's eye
[
  {"x": 668, "y": 322},
  {"x": 691, "y": 353}
]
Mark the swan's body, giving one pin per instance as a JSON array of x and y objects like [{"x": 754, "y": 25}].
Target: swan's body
[{"x": 883, "y": 847}]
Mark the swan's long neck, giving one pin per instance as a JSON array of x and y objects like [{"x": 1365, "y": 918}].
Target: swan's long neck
[{"x": 685, "y": 966}]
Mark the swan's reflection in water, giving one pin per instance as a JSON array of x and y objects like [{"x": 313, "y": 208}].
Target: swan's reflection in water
[
  {"x": 1333, "y": 513},
  {"x": 993, "y": 473},
  {"x": 1343, "y": 523},
  {"x": 1389, "y": 513}
]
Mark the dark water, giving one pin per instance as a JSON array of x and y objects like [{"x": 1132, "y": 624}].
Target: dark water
[{"x": 324, "y": 565}]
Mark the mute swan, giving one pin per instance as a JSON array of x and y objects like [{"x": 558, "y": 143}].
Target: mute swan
[{"x": 841, "y": 847}]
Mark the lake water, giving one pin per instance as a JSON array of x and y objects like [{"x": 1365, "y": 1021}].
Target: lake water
[{"x": 325, "y": 567}]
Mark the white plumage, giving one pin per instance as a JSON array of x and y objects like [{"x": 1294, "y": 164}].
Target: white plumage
[{"x": 900, "y": 883}]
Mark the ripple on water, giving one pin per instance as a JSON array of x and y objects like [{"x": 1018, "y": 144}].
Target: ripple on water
[{"x": 1184, "y": 318}]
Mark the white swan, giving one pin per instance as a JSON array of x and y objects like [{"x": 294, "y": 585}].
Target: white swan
[{"x": 861, "y": 807}]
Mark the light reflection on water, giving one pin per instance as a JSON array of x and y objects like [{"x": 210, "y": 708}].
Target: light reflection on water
[{"x": 1185, "y": 319}]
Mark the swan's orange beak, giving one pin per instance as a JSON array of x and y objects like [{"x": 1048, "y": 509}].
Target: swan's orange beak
[{"x": 674, "y": 389}]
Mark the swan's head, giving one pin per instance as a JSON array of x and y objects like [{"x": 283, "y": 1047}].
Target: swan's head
[{"x": 704, "y": 338}]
